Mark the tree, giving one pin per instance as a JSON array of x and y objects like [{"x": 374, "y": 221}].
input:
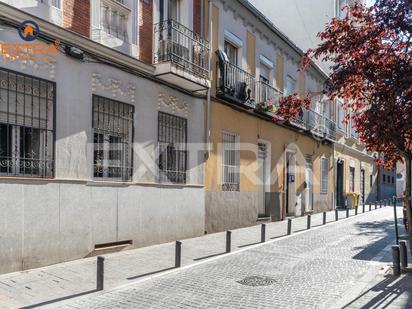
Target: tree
[{"x": 370, "y": 52}]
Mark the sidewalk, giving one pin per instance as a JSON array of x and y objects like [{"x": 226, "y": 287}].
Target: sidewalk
[{"x": 61, "y": 281}]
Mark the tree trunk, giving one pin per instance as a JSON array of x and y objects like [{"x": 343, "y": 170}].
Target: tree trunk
[{"x": 407, "y": 203}]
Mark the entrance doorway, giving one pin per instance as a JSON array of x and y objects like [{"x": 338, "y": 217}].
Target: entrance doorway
[
  {"x": 308, "y": 184},
  {"x": 362, "y": 187},
  {"x": 290, "y": 184},
  {"x": 340, "y": 201},
  {"x": 262, "y": 165}
]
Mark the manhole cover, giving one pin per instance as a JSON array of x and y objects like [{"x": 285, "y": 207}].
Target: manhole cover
[{"x": 257, "y": 281}]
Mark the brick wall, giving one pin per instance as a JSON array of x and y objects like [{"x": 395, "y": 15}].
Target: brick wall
[
  {"x": 76, "y": 16},
  {"x": 197, "y": 16},
  {"x": 145, "y": 30}
]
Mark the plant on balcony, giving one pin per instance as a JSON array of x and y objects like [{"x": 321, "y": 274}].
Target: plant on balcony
[
  {"x": 267, "y": 106},
  {"x": 370, "y": 50}
]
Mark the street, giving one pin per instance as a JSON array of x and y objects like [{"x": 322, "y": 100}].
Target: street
[{"x": 325, "y": 267}]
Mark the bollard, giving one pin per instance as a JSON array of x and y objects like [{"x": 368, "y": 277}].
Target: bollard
[
  {"x": 228, "y": 241},
  {"x": 403, "y": 254},
  {"x": 347, "y": 213},
  {"x": 336, "y": 215},
  {"x": 376, "y": 204},
  {"x": 289, "y": 226},
  {"x": 380, "y": 204},
  {"x": 100, "y": 273},
  {"x": 356, "y": 210},
  {"x": 308, "y": 222},
  {"x": 370, "y": 206},
  {"x": 396, "y": 261},
  {"x": 263, "y": 233},
  {"x": 178, "y": 254},
  {"x": 324, "y": 217},
  {"x": 363, "y": 208}
]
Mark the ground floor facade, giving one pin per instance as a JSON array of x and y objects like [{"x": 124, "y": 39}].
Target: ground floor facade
[
  {"x": 92, "y": 156},
  {"x": 259, "y": 169}
]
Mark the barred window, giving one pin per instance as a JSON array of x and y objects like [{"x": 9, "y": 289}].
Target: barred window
[
  {"x": 113, "y": 138},
  {"x": 231, "y": 165},
  {"x": 324, "y": 175},
  {"x": 172, "y": 139},
  {"x": 351, "y": 179},
  {"x": 26, "y": 125}
]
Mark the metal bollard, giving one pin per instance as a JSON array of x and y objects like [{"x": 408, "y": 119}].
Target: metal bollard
[
  {"x": 100, "y": 273},
  {"x": 308, "y": 222},
  {"x": 347, "y": 213},
  {"x": 228, "y": 241},
  {"x": 403, "y": 254},
  {"x": 396, "y": 261},
  {"x": 336, "y": 215},
  {"x": 289, "y": 226},
  {"x": 363, "y": 208},
  {"x": 356, "y": 210},
  {"x": 376, "y": 205},
  {"x": 324, "y": 217},
  {"x": 370, "y": 206},
  {"x": 178, "y": 254},
  {"x": 380, "y": 204},
  {"x": 263, "y": 233}
]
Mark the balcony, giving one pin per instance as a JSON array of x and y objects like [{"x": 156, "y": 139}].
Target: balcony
[
  {"x": 235, "y": 85},
  {"x": 267, "y": 98},
  {"x": 320, "y": 126},
  {"x": 181, "y": 56}
]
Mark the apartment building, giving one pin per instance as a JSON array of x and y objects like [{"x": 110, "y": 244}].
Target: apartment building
[
  {"x": 99, "y": 143},
  {"x": 354, "y": 167},
  {"x": 261, "y": 168}
]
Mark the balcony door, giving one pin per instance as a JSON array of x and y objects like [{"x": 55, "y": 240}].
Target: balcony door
[{"x": 170, "y": 9}]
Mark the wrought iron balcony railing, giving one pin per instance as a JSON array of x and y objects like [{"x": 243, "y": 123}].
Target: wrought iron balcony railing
[
  {"x": 235, "y": 84},
  {"x": 178, "y": 44},
  {"x": 267, "y": 97},
  {"x": 320, "y": 125}
]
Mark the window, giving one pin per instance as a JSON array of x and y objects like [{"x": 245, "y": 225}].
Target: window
[
  {"x": 231, "y": 165},
  {"x": 340, "y": 115},
  {"x": 393, "y": 179},
  {"x": 114, "y": 21},
  {"x": 172, "y": 139},
  {"x": 174, "y": 10},
  {"x": 231, "y": 51},
  {"x": 351, "y": 179},
  {"x": 290, "y": 85},
  {"x": 113, "y": 138},
  {"x": 384, "y": 178},
  {"x": 324, "y": 175},
  {"x": 340, "y": 12},
  {"x": 26, "y": 125}
]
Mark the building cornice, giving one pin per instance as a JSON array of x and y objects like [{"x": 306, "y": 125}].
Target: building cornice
[{"x": 350, "y": 150}]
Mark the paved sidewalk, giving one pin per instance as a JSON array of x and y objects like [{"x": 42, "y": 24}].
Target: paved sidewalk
[{"x": 52, "y": 284}]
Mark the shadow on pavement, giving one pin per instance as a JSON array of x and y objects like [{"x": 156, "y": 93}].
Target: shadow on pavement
[
  {"x": 151, "y": 273},
  {"x": 385, "y": 293},
  {"x": 385, "y": 230},
  {"x": 58, "y": 299}
]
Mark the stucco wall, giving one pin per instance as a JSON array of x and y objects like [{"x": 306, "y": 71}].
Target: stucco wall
[
  {"x": 49, "y": 221},
  {"x": 236, "y": 209}
]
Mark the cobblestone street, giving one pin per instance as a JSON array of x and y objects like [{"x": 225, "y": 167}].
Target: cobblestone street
[{"x": 326, "y": 267}]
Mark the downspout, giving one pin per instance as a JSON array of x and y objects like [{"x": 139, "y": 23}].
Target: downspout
[{"x": 208, "y": 104}]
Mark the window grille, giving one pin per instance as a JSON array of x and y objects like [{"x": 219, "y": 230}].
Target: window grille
[
  {"x": 231, "y": 159},
  {"x": 113, "y": 138},
  {"x": 324, "y": 175},
  {"x": 26, "y": 125},
  {"x": 114, "y": 22},
  {"x": 172, "y": 139}
]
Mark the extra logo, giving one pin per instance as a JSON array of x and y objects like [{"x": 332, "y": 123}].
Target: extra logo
[
  {"x": 33, "y": 48},
  {"x": 29, "y": 30}
]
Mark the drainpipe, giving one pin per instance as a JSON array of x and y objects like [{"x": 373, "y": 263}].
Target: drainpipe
[{"x": 208, "y": 104}]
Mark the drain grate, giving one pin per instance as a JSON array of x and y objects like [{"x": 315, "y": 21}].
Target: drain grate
[{"x": 257, "y": 281}]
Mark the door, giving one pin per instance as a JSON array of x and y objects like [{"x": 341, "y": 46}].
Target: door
[
  {"x": 262, "y": 161},
  {"x": 309, "y": 184},
  {"x": 340, "y": 202},
  {"x": 290, "y": 185},
  {"x": 362, "y": 187}
]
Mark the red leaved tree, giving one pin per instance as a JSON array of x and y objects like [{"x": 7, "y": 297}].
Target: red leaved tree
[{"x": 370, "y": 52}]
